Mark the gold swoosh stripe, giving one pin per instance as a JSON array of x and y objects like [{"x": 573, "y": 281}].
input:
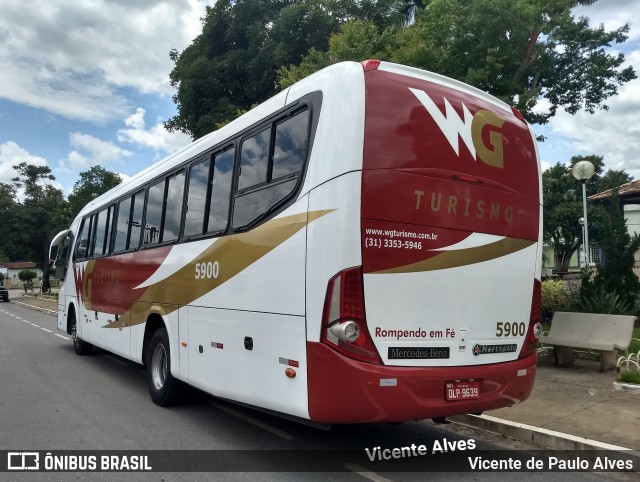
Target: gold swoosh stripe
[
  {"x": 463, "y": 257},
  {"x": 233, "y": 253}
]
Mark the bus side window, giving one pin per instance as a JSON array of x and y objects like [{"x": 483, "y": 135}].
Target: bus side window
[
  {"x": 196, "y": 198},
  {"x": 82, "y": 246},
  {"x": 122, "y": 225},
  {"x": 136, "y": 220},
  {"x": 221, "y": 191},
  {"x": 153, "y": 216},
  {"x": 290, "y": 149},
  {"x": 254, "y": 159},
  {"x": 289, "y": 153},
  {"x": 173, "y": 207},
  {"x": 101, "y": 231},
  {"x": 110, "y": 229},
  {"x": 63, "y": 257}
]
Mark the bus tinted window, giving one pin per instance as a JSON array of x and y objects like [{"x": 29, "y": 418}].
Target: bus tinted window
[
  {"x": 153, "y": 217},
  {"x": 289, "y": 153},
  {"x": 220, "y": 191},
  {"x": 101, "y": 231},
  {"x": 173, "y": 211},
  {"x": 251, "y": 206},
  {"x": 254, "y": 159},
  {"x": 290, "y": 145},
  {"x": 197, "y": 198},
  {"x": 122, "y": 227},
  {"x": 82, "y": 247},
  {"x": 136, "y": 220}
]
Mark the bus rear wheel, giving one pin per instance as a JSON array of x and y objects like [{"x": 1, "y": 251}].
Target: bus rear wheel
[
  {"x": 164, "y": 389},
  {"x": 81, "y": 347}
]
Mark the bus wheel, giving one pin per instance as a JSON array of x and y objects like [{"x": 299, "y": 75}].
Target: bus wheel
[
  {"x": 81, "y": 347},
  {"x": 163, "y": 387}
]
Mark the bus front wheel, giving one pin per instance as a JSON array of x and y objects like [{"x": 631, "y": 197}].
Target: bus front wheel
[
  {"x": 81, "y": 347},
  {"x": 163, "y": 387}
]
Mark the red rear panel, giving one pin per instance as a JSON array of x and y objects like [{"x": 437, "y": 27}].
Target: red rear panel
[{"x": 450, "y": 221}]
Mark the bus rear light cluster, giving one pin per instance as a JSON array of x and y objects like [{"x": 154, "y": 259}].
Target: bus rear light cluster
[
  {"x": 535, "y": 327},
  {"x": 344, "y": 325},
  {"x": 348, "y": 331}
]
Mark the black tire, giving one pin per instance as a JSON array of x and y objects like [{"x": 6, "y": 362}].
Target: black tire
[
  {"x": 81, "y": 347},
  {"x": 164, "y": 389}
]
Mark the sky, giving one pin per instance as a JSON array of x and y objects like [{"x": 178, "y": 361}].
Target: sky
[{"x": 86, "y": 83}]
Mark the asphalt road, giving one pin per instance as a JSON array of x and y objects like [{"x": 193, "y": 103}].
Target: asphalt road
[{"x": 54, "y": 400}]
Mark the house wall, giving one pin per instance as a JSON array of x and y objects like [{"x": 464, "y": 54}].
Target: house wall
[
  {"x": 12, "y": 280},
  {"x": 632, "y": 217}
]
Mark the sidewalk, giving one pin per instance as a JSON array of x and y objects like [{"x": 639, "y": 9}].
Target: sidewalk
[
  {"x": 46, "y": 305},
  {"x": 576, "y": 400}
]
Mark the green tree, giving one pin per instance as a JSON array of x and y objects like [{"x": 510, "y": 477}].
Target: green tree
[
  {"x": 92, "y": 183},
  {"x": 563, "y": 207},
  {"x": 612, "y": 179},
  {"x": 10, "y": 242},
  {"x": 27, "y": 275},
  {"x": 615, "y": 275},
  {"x": 40, "y": 216},
  {"x": 518, "y": 50},
  {"x": 233, "y": 64}
]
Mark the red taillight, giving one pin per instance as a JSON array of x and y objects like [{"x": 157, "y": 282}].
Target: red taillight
[
  {"x": 344, "y": 325},
  {"x": 533, "y": 333},
  {"x": 370, "y": 64}
]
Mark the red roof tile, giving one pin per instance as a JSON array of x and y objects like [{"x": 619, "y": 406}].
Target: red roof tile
[
  {"x": 18, "y": 265},
  {"x": 626, "y": 190}
]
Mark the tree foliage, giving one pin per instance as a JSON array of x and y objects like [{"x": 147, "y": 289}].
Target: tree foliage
[
  {"x": 27, "y": 275},
  {"x": 43, "y": 211},
  {"x": 92, "y": 183},
  {"x": 615, "y": 277},
  {"x": 518, "y": 50},
  {"x": 563, "y": 206},
  {"x": 41, "y": 214},
  {"x": 233, "y": 64},
  {"x": 521, "y": 51}
]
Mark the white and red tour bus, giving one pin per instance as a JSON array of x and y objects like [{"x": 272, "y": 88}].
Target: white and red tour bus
[{"x": 363, "y": 247}]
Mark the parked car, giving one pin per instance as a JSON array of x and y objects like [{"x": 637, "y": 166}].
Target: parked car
[{"x": 4, "y": 293}]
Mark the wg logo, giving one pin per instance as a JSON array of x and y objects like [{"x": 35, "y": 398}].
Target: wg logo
[{"x": 469, "y": 128}]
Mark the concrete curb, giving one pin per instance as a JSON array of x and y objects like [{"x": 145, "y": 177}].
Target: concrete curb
[
  {"x": 627, "y": 387},
  {"x": 537, "y": 435},
  {"x": 33, "y": 307}
]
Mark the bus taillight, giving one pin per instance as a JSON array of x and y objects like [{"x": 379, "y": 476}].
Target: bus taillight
[
  {"x": 535, "y": 327},
  {"x": 344, "y": 325}
]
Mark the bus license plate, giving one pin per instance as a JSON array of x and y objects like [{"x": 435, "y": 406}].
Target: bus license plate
[{"x": 462, "y": 390}]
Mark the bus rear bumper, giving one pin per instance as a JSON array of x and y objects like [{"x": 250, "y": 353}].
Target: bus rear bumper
[{"x": 342, "y": 390}]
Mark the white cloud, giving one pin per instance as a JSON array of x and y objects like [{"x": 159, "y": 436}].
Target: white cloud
[
  {"x": 613, "y": 14},
  {"x": 94, "y": 152},
  {"x": 12, "y": 154},
  {"x": 613, "y": 133},
  {"x": 544, "y": 165},
  {"x": 71, "y": 58},
  {"x": 157, "y": 137}
]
